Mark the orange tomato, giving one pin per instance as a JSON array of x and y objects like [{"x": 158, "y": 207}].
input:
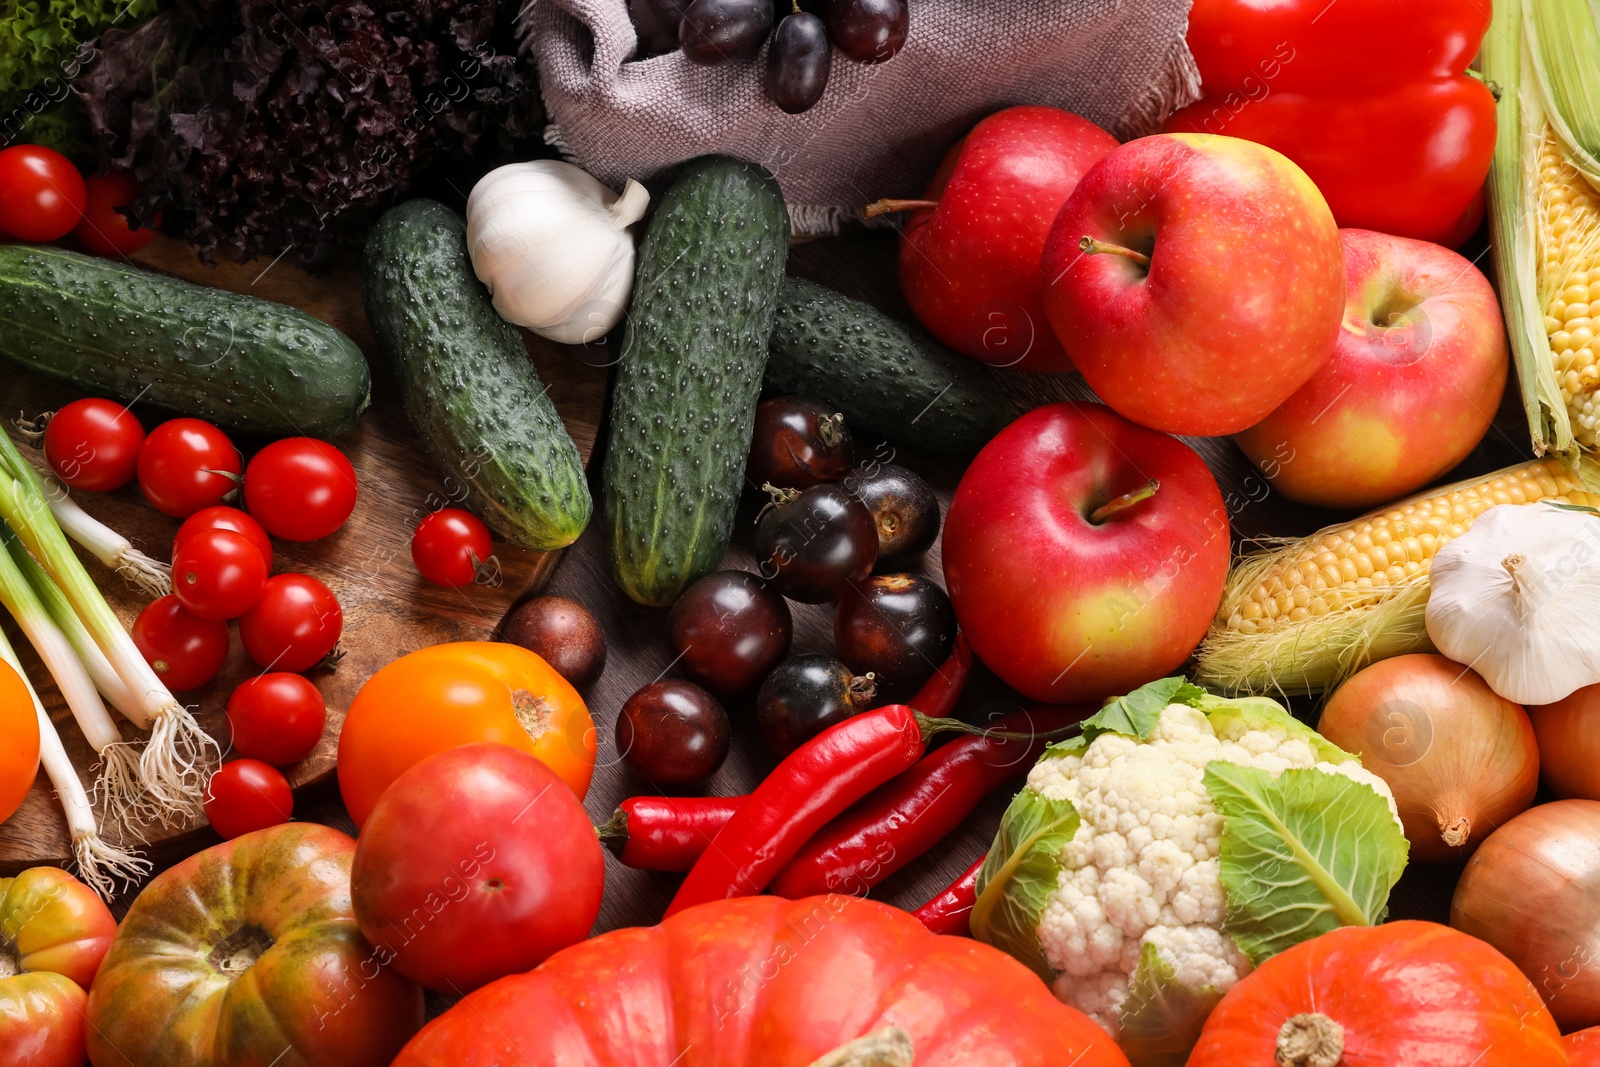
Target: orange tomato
[
  {"x": 457, "y": 694},
  {"x": 19, "y": 725}
]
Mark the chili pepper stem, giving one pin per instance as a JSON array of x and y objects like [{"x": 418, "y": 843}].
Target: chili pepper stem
[
  {"x": 614, "y": 828},
  {"x": 931, "y": 727}
]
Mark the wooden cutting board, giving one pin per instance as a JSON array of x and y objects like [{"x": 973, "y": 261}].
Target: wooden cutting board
[{"x": 388, "y": 609}]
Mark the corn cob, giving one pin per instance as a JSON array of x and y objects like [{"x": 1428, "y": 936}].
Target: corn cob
[
  {"x": 1569, "y": 283},
  {"x": 1305, "y": 614}
]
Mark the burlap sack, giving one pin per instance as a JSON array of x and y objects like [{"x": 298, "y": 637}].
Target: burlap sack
[{"x": 881, "y": 129}]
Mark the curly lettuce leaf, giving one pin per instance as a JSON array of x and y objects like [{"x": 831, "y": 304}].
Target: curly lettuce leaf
[
  {"x": 1260, "y": 713},
  {"x": 1019, "y": 876},
  {"x": 1161, "y": 1019},
  {"x": 1301, "y": 854}
]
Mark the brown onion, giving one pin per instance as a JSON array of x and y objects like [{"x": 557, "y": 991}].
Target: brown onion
[
  {"x": 1533, "y": 892},
  {"x": 1460, "y": 759},
  {"x": 1569, "y": 744}
]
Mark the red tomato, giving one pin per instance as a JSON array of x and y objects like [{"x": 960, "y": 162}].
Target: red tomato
[
  {"x": 294, "y": 625},
  {"x": 499, "y": 836},
  {"x": 448, "y": 546},
  {"x": 300, "y": 489},
  {"x": 218, "y": 574},
  {"x": 247, "y": 795},
  {"x": 41, "y": 193},
  {"x": 276, "y": 718},
  {"x": 225, "y": 518},
  {"x": 186, "y": 465},
  {"x": 93, "y": 445},
  {"x": 102, "y": 230},
  {"x": 185, "y": 650}
]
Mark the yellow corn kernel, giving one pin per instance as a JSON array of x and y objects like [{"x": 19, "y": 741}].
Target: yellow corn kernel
[{"x": 1569, "y": 249}]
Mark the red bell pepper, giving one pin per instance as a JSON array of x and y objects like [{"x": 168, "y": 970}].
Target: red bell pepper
[{"x": 1369, "y": 97}]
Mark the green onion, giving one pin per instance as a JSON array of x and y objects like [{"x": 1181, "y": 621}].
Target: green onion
[
  {"x": 149, "y": 576},
  {"x": 101, "y": 865}
]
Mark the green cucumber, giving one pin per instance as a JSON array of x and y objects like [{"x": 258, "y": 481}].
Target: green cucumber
[
  {"x": 239, "y": 361},
  {"x": 886, "y": 377},
  {"x": 468, "y": 385},
  {"x": 683, "y": 407}
]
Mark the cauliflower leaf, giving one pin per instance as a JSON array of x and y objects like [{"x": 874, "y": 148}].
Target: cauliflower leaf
[
  {"x": 1019, "y": 876},
  {"x": 1162, "y": 1017},
  {"x": 1301, "y": 854}
]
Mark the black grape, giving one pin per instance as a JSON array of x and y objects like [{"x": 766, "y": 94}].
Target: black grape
[
  {"x": 798, "y": 62},
  {"x": 868, "y": 30},
  {"x": 656, "y": 22},
  {"x": 724, "y": 31}
]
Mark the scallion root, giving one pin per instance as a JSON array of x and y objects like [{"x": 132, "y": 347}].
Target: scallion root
[
  {"x": 102, "y": 865},
  {"x": 120, "y": 789},
  {"x": 176, "y": 763},
  {"x": 151, "y": 577}
]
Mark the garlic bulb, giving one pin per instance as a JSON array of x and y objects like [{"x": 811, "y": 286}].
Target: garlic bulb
[
  {"x": 553, "y": 247},
  {"x": 1515, "y": 598}
]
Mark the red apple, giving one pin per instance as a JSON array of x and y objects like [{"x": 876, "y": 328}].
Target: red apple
[
  {"x": 1196, "y": 281},
  {"x": 970, "y": 264},
  {"x": 1084, "y": 555},
  {"x": 1414, "y": 381}
]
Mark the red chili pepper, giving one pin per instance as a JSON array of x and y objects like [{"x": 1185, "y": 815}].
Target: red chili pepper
[
  {"x": 939, "y": 694},
  {"x": 666, "y": 833},
  {"x": 915, "y": 811},
  {"x": 948, "y": 912}
]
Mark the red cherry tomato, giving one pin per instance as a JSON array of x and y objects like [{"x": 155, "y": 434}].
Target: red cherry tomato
[
  {"x": 41, "y": 193},
  {"x": 294, "y": 625},
  {"x": 186, "y": 465},
  {"x": 448, "y": 546},
  {"x": 93, "y": 445},
  {"x": 277, "y": 718},
  {"x": 225, "y": 518},
  {"x": 102, "y": 230},
  {"x": 186, "y": 651},
  {"x": 247, "y": 795},
  {"x": 218, "y": 574},
  {"x": 300, "y": 489}
]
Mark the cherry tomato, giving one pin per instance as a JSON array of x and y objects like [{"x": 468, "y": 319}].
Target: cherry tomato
[
  {"x": 247, "y": 795},
  {"x": 300, "y": 489},
  {"x": 294, "y": 625},
  {"x": 218, "y": 574},
  {"x": 225, "y": 518},
  {"x": 277, "y": 718},
  {"x": 185, "y": 650},
  {"x": 94, "y": 444},
  {"x": 102, "y": 229},
  {"x": 41, "y": 193},
  {"x": 449, "y": 545},
  {"x": 186, "y": 465}
]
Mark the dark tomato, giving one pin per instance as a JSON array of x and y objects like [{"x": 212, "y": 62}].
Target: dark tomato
[
  {"x": 449, "y": 546},
  {"x": 225, "y": 518},
  {"x": 218, "y": 574},
  {"x": 724, "y": 31},
  {"x": 105, "y": 231},
  {"x": 247, "y": 795},
  {"x": 93, "y": 445},
  {"x": 277, "y": 718},
  {"x": 673, "y": 733},
  {"x": 903, "y": 507},
  {"x": 898, "y": 626},
  {"x": 798, "y": 62},
  {"x": 185, "y": 650},
  {"x": 41, "y": 193},
  {"x": 186, "y": 465},
  {"x": 727, "y": 630},
  {"x": 870, "y": 31},
  {"x": 300, "y": 489},
  {"x": 656, "y": 23},
  {"x": 561, "y": 632},
  {"x": 797, "y": 444},
  {"x": 294, "y": 626},
  {"x": 804, "y": 696},
  {"x": 814, "y": 544}
]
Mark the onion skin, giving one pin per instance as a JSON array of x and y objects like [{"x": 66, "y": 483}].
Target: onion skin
[
  {"x": 1533, "y": 892},
  {"x": 1460, "y": 759},
  {"x": 1569, "y": 745}
]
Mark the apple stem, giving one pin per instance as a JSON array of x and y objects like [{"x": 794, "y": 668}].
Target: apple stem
[
  {"x": 1091, "y": 246},
  {"x": 887, "y": 207},
  {"x": 1126, "y": 500}
]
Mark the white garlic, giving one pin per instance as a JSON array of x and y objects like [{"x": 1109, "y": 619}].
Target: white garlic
[
  {"x": 1515, "y": 599},
  {"x": 552, "y": 246}
]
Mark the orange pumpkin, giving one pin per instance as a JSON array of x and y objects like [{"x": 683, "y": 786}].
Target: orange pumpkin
[
  {"x": 779, "y": 983},
  {"x": 1583, "y": 1048},
  {"x": 1412, "y": 993},
  {"x": 19, "y": 725}
]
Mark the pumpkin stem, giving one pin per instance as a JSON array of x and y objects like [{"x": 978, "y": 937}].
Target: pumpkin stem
[
  {"x": 1310, "y": 1039},
  {"x": 889, "y": 1047}
]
